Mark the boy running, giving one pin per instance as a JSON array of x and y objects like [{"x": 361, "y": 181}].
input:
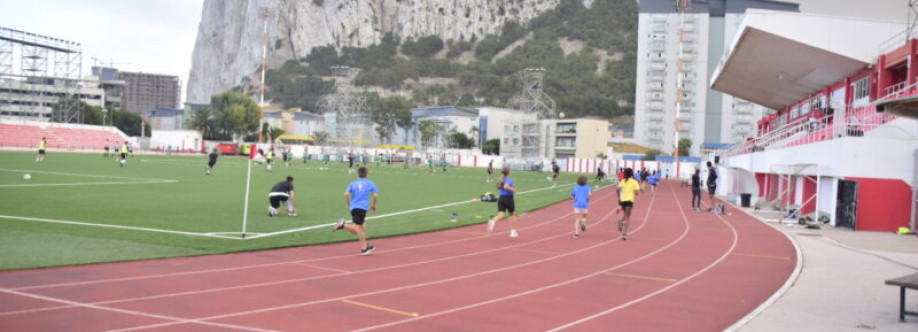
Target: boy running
[
  {"x": 269, "y": 160},
  {"x": 505, "y": 203},
  {"x": 653, "y": 179},
  {"x": 42, "y": 146},
  {"x": 581, "y": 194},
  {"x": 628, "y": 190},
  {"x": 429, "y": 165},
  {"x": 124, "y": 153},
  {"x": 350, "y": 163},
  {"x": 356, "y": 199},
  {"x": 282, "y": 192},
  {"x": 212, "y": 161}
]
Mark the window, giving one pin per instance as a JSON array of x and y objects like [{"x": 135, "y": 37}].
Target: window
[
  {"x": 861, "y": 91},
  {"x": 516, "y": 141}
]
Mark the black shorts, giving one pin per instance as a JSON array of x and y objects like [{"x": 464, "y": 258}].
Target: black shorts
[
  {"x": 123, "y": 155},
  {"x": 277, "y": 199},
  {"x": 41, "y": 151},
  {"x": 358, "y": 216},
  {"x": 505, "y": 203},
  {"x": 211, "y": 164},
  {"x": 712, "y": 189},
  {"x": 489, "y": 172},
  {"x": 626, "y": 204},
  {"x": 554, "y": 175}
]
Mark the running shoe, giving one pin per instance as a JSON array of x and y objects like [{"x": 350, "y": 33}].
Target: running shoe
[
  {"x": 576, "y": 235},
  {"x": 339, "y": 224},
  {"x": 367, "y": 251},
  {"x": 620, "y": 225},
  {"x": 624, "y": 237},
  {"x": 583, "y": 225},
  {"x": 514, "y": 234},
  {"x": 490, "y": 225}
]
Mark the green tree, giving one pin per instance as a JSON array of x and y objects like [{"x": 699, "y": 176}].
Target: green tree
[
  {"x": 491, "y": 147},
  {"x": 388, "y": 113},
  {"x": 428, "y": 131},
  {"x": 320, "y": 137},
  {"x": 202, "y": 120},
  {"x": 424, "y": 46},
  {"x": 685, "y": 145},
  {"x": 652, "y": 154},
  {"x": 235, "y": 114},
  {"x": 274, "y": 133},
  {"x": 459, "y": 140}
]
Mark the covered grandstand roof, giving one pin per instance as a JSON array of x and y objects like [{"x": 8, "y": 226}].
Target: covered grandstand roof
[{"x": 778, "y": 58}]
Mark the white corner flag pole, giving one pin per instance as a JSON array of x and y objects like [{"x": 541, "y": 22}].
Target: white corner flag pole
[{"x": 245, "y": 208}]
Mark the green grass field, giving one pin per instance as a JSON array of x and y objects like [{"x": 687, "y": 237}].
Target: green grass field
[{"x": 168, "y": 207}]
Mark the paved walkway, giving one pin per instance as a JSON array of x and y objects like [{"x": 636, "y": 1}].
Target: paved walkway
[{"x": 841, "y": 284}]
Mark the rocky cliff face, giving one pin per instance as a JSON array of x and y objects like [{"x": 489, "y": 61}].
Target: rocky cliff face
[{"x": 229, "y": 44}]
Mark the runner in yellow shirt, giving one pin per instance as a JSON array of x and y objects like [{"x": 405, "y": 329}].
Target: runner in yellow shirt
[{"x": 627, "y": 190}]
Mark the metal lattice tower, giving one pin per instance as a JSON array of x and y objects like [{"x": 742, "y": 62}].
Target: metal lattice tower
[
  {"x": 533, "y": 101},
  {"x": 45, "y": 84},
  {"x": 352, "y": 121}
]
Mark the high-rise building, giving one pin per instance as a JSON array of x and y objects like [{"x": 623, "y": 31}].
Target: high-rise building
[
  {"x": 705, "y": 115},
  {"x": 139, "y": 92}
]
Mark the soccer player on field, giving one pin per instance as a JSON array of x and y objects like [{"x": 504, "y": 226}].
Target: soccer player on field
[
  {"x": 124, "y": 153},
  {"x": 350, "y": 163},
  {"x": 581, "y": 194},
  {"x": 360, "y": 196},
  {"x": 505, "y": 203},
  {"x": 429, "y": 165},
  {"x": 282, "y": 192},
  {"x": 490, "y": 171},
  {"x": 42, "y": 146},
  {"x": 555, "y": 171},
  {"x": 213, "y": 161},
  {"x": 108, "y": 146}
]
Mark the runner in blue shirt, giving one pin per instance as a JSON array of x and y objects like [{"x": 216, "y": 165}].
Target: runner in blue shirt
[
  {"x": 653, "y": 179},
  {"x": 581, "y": 194},
  {"x": 357, "y": 200},
  {"x": 505, "y": 203}
]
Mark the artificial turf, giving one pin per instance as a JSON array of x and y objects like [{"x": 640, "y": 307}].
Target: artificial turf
[{"x": 172, "y": 193}]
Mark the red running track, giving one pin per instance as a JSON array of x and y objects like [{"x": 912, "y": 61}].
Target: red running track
[{"x": 679, "y": 271}]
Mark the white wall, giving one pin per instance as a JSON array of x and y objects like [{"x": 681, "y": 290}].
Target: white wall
[{"x": 177, "y": 139}]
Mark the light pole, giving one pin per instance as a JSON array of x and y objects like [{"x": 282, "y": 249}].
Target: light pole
[{"x": 104, "y": 115}]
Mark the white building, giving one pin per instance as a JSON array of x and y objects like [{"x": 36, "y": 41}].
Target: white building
[
  {"x": 35, "y": 97},
  {"x": 449, "y": 119},
  {"x": 706, "y": 115}
]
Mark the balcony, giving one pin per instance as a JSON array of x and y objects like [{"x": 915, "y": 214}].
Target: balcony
[
  {"x": 655, "y": 117},
  {"x": 655, "y": 97},
  {"x": 658, "y": 66},
  {"x": 658, "y": 28},
  {"x": 655, "y": 87},
  {"x": 655, "y": 106}
]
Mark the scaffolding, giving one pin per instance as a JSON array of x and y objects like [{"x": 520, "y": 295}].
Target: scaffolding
[
  {"x": 44, "y": 84},
  {"x": 787, "y": 186},
  {"x": 534, "y": 136},
  {"x": 352, "y": 126}
]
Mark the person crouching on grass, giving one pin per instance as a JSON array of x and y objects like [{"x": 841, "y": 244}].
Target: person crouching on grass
[
  {"x": 505, "y": 203},
  {"x": 282, "y": 192},
  {"x": 581, "y": 194},
  {"x": 628, "y": 189},
  {"x": 357, "y": 199}
]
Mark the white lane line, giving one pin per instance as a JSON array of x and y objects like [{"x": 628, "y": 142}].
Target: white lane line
[
  {"x": 336, "y": 275},
  {"x": 175, "y": 320},
  {"x": 254, "y": 266},
  {"x": 670, "y": 286},
  {"x": 395, "y": 289},
  {"x": 555, "y": 285},
  {"x": 434, "y": 208},
  {"x": 144, "y": 229}
]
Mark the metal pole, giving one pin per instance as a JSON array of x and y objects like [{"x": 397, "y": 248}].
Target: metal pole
[
  {"x": 914, "y": 192},
  {"x": 818, "y": 184},
  {"x": 245, "y": 207},
  {"x": 265, "y": 14}
]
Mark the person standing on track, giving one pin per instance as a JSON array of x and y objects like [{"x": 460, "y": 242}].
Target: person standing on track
[
  {"x": 358, "y": 199},
  {"x": 712, "y": 185},
  {"x": 581, "y": 194},
  {"x": 505, "y": 203},
  {"x": 629, "y": 189},
  {"x": 696, "y": 191}
]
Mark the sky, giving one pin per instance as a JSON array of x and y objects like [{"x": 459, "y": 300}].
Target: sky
[{"x": 157, "y": 36}]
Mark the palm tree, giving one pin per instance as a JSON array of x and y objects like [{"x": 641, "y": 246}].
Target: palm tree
[
  {"x": 202, "y": 120},
  {"x": 428, "y": 131},
  {"x": 320, "y": 137}
]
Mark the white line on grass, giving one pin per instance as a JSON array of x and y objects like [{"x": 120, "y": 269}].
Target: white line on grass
[
  {"x": 145, "y": 229},
  {"x": 435, "y": 207},
  {"x": 83, "y": 183},
  {"x": 83, "y": 175}
]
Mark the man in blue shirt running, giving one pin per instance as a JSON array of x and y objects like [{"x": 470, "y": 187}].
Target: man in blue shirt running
[{"x": 357, "y": 200}]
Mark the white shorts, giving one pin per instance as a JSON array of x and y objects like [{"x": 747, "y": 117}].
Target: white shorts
[{"x": 580, "y": 210}]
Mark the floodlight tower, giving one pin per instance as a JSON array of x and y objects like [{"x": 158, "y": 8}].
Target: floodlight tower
[
  {"x": 349, "y": 107},
  {"x": 264, "y": 13},
  {"x": 681, "y": 6}
]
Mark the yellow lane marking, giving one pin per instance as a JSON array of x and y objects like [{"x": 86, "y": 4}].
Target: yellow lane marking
[
  {"x": 640, "y": 277},
  {"x": 397, "y": 312},
  {"x": 763, "y": 256}
]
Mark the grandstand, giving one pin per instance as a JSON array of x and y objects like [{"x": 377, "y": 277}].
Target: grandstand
[{"x": 26, "y": 135}]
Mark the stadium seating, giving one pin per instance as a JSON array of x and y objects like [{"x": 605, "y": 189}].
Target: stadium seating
[{"x": 25, "y": 136}]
